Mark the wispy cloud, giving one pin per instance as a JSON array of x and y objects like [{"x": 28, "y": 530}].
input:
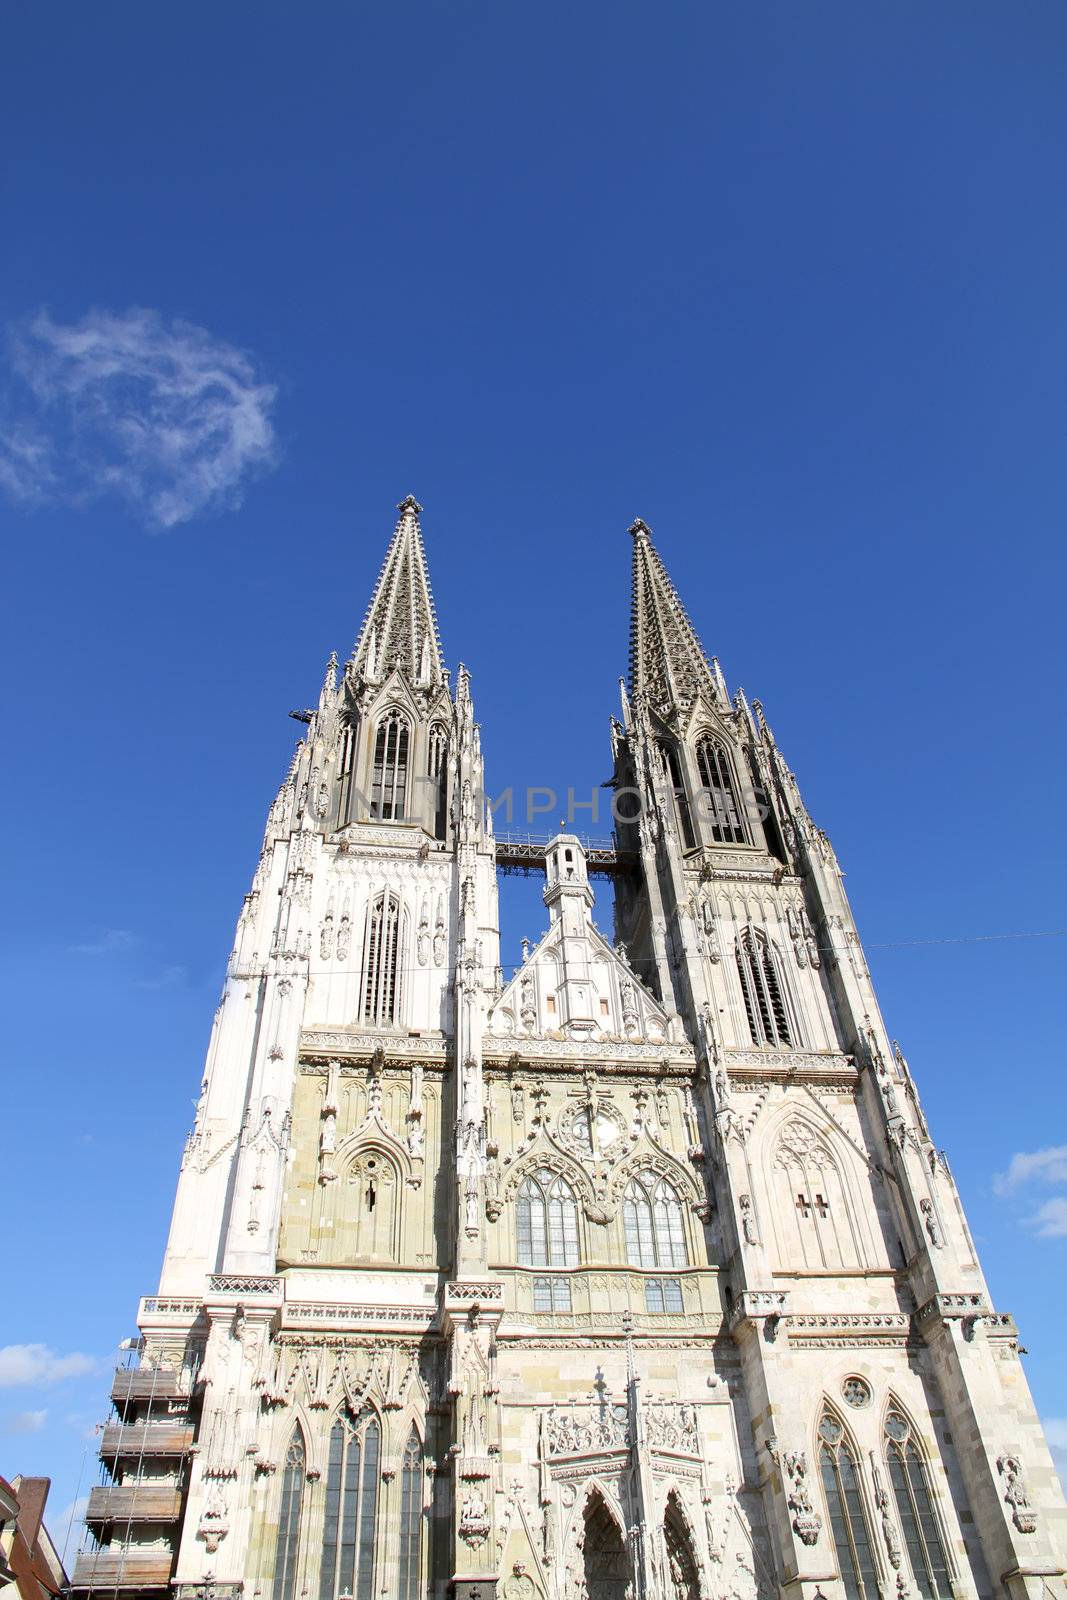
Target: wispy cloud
[
  {"x": 25, "y": 1364},
  {"x": 1045, "y": 1166},
  {"x": 1030, "y": 1167},
  {"x": 1049, "y": 1221},
  {"x": 173, "y": 976},
  {"x": 23, "y": 1422},
  {"x": 159, "y": 413},
  {"x": 108, "y": 942}
]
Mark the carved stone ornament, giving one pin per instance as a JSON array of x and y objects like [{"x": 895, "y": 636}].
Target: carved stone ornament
[
  {"x": 474, "y": 1519},
  {"x": 807, "y": 1523},
  {"x": 1016, "y": 1494}
]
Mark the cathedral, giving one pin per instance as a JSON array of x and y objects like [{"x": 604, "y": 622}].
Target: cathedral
[{"x": 635, "y": 1276}]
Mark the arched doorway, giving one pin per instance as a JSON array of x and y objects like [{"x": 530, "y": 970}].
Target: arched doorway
[
  {"x": 684, "y": 1583},
  {"x": 607, "y": 1566}
]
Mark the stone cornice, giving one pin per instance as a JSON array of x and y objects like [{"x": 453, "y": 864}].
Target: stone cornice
[
  {"x": 500, "y": 1050},
  {"x": 324, "y": 1043}
]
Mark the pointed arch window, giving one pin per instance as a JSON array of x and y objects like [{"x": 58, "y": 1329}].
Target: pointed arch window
[
  {"x": 652, "y": 1222},
  {"x": 720, "y": 790},
  {"x": 348, "y": 1544},
  {"x": 381, "y": 962},
  {"x": 762, "y": 989},
  {"x": 848, "y": 1519},
  {"x": 546, "y": 1219},
  {"x": 438, "y": 771},
  {"x": 409, "y": 1569},
  {"x": 915, "y": 1508},
  {"x": 672, "y": 773},
  {"x": 389, "y": 779},
  {"x": 346, "y": 761},
  {"x": 285, "y": 1551}
]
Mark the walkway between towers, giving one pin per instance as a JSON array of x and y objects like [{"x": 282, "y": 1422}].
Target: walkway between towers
[{"x": 525, "y": 853}]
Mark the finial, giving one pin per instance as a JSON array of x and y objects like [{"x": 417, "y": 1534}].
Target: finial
[
  {"x": 409, "y": 503},
  {"x": 640, "y": 530}
]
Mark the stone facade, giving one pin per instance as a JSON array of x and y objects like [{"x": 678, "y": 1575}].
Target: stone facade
[{"x": 639, "y": 1275}]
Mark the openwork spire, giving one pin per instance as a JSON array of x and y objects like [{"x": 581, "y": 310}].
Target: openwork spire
[
  {"x": 667, "y": 661},
  {"x": 400, "y": 628}
]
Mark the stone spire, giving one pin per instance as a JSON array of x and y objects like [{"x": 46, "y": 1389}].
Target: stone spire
[
  {"x": 667, "y": 660},
  {"x": 400, "y": 627}
]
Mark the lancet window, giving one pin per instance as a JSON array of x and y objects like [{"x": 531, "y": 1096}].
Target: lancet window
[
  {"x": 381, "y": 961},
  {"x": 762, "y": 988},
  {"x": 672, "y": 773},
  {"x": 409, "y": 1569},
  {"x": 438, "y": 772},
  {"x": 915, "y": 1508},
  {"x": 348, "y": 1543},
  {"x": 285, "y": 1553},
  {"x": 546, "y": 1218},
  {"x": 345, "y": 769},
  {"x": 389, "y": 778},
  {"x": 848, "y": 1518},
  {"x": 652, "y": 1222},
  {"x": 720, "y": 792}
]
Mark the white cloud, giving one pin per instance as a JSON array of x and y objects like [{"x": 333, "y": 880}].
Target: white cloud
[
  {"x": 161, "y": 414},
  {"x": 1047, "y": 1166},
  {"x": 23, "y": 1422},
  {"x": 108, "y": 942},
  {"x": 1049, "y": 1221},
  {"x": 1044, "y": 1166},
  {"x": 24, "y": 1364}
]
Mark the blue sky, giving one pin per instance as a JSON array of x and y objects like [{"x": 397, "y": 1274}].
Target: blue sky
[{"x": 786, "y": 281}]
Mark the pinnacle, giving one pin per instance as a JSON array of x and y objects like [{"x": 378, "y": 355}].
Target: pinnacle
[
  {"x": 409, "y": 503},
  {"x": 639, "y": 529}
]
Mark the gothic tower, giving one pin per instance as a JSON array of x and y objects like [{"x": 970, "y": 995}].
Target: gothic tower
[{"x": 636, "y": 1276}]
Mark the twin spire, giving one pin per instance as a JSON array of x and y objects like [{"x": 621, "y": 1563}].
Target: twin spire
[
  {"x": 667, "y": 662},
  {"x": 400, "y": 627}
]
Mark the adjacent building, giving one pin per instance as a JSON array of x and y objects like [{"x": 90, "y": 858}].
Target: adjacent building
[{"x": 30, "y": 1565}]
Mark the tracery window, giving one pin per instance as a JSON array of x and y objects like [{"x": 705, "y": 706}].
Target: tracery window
[
  {"x": 438, "y": 769},
  {"x": 762, "y": 989},
  {"x": 411, "y": 1519},
  {"x": 389, "y": 779},
  {"x": 812, "y": 1218},
  {"x": 717, "y": 777},
  {"x": 848, "y": 1519},
  {"x": 381, "y": 961},
  {"x": 546, "y": 1218},
  {"x": 348, "y": 1544},
  {"x": 915, "y": 1508},
  {"x": 285, "y": 1552},
  {"x": 652, "y": 1222},
  {"x": 672, "y": 772}
]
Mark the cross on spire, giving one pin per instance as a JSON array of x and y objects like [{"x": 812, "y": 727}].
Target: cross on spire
[
  {"x": 667, "y": 660},
  {"x": 400, "y": 627}
]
